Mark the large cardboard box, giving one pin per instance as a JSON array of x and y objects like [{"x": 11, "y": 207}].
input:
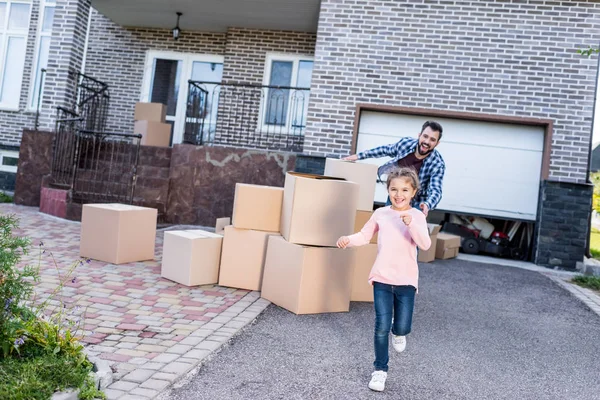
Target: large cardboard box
[
  {"x": 156, "y": 112},
  {"x": 307, "y": 280},
  {"x": 429, "y": 255},
  {"x": 243, "y": 258},
  {"x": 365, "y": 175},
  {"x": 364, "y": 258},
  {"x": 153, "y": 133},
  {"x": 117, "y": 233},
  {"x": 317, "y": 209},
  {"x": 361, "y": 219},
  {"x": 191, "y": 257},
  {"x": 447, "y": 246},
  {"x": 257, "y": 207}
]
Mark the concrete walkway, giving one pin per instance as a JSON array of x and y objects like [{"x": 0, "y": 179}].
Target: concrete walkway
[
  {"x": 480, "y": 331},
  {"x": 151, "y": 330}
]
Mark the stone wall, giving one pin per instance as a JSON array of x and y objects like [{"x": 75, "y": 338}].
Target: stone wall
[{"x": 35, "y": 162}]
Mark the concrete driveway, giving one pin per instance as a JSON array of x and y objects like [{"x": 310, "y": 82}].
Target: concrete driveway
[{"x": 480, "y": 332}]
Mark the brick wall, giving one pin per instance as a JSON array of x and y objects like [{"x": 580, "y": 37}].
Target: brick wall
[
  {"x": 508, "y": 57},
  {"x": 116, "y": 56},
  {"x": 12, "y": 123}
]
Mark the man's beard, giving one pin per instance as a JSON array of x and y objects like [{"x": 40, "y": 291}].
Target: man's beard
[{"x": 427, "y": 151}]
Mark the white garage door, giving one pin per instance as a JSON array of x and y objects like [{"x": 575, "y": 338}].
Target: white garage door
[{"x": 492, "y": 169}]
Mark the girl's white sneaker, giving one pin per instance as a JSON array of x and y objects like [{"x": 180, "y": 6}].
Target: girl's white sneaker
[
  {"x": 399, "y": 343},
  {"x": 378, "y": 381}
]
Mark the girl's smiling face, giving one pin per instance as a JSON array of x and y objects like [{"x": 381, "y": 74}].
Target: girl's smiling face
[{"x": 401, "y": 191}]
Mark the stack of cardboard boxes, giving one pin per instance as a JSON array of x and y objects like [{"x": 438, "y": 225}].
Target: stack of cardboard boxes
[{"x": 150, "y": 123}]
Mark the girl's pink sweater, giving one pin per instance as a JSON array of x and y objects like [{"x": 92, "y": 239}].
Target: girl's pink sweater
[{"x": 396, "y": 262}]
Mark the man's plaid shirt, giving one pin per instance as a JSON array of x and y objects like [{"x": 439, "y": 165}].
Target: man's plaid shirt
[{"x": 431, "y": 173}]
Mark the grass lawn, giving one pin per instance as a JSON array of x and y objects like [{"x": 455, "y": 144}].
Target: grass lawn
[{"x": 595, "y": 244}]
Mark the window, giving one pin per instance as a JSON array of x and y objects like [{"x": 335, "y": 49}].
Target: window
[
  {"x": 47, "y": 8},
  {"x": 287, "y": 104},
  {"x": 14, "y": 24},
  {"x": 8, "y": 160}
]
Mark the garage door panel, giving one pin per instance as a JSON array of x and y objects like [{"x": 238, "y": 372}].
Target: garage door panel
[{"x": 491, "y": 168}]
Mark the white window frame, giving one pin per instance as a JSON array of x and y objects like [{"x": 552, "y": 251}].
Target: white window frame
[
  {"x": 38, "y": 48},
  {"x": 8, "y": 154},
  {"x": 24, "y": 34},
  {"x": 187, "y": 60},
  {"x": 295, "y": 59}
]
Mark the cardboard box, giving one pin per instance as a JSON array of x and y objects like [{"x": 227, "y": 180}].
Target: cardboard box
[
  {"x": 191, "y": 257},
  {"x": 156, "y": 112},
  {"x": 117, "y": 233},
  {"x": 221, "y": 223},
  {"x": 361, "y": 219},
  {"x": 257, "y": 207},
  {"x": 317, "y": 209},
  {"x": 307, "y": 280},
  {"x": 243, "y": 258},
  {"x": 429, "y": 255},
  {"x": 447, "y": 246},
  {"x": 365, "y": 175},
  {"x": 364, "y": 258},
  {"x": 153, "y": 133}
]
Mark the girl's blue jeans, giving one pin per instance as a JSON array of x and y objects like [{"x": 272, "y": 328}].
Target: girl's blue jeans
[{"x": 391, "y": 302}]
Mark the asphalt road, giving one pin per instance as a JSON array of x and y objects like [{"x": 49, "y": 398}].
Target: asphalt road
[{"x": 479, "y": 332}]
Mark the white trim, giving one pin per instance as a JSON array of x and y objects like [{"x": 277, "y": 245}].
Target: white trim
[
  {"x": 87, "y": 39},
  {"x": 269, "y": 58},
  {"x": 4, "y": 35},
  {"x": 187, "y": 60},
  {"x": 37, "y": 49},
  {"x": 8, "y": 154}
]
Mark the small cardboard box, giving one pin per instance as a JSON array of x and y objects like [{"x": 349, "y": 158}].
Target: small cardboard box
[
  {"x": 361, "y": 219},
  {"x": 307, "y": 280},
  {"x": 317, "y": 209},
  {"x": 156, "y": 112},
  {"x": 117, "y": 233},
  {"x": 365, "y": 175},
  {"x": 257, "y": 207},
  {"x": 429, "y": 255},
  {"x": 221, "y": 223},
  {"x": 153, "y": 133},
  {"x": 364, "y": 258},
  {"x": 243, "y": 258},
  {"x": 191, "y": 257},
  {"x": 447, "y": 246}
]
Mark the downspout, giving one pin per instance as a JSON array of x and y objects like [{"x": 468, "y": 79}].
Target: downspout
[
  {"x": 589, "y": 163},
  {"x": 87, "y": 38}
]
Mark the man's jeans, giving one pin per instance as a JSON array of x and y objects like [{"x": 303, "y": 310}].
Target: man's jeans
[{"x": 395, "y": 302}]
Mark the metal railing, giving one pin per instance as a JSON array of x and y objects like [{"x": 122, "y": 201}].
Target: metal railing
[
  {"x": 90, "y": 100},
  {"x": 246, "y": 115}
]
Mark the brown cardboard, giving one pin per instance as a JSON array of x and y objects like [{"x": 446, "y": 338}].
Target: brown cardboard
[
  {"x": 153, "y": 133},
  {"x": 243, "y": 258},
  {"x": 221, "y": 223},
  {"x": 307, "y": 280},
  {"x": 117, "y": 233},
  {"x": 191, "y": 257},
  {"x": 257, "y": 207},
  {"x": 361, "y": 219},
  {"x": 155, "y": 112},
  {"x": 365, "y": 175},
  {"x": 447, "y": 246},
  {"x": 317, "y": 209},
  {"x": 364, "y": 258},
  {"x": 429, "y": 255}
]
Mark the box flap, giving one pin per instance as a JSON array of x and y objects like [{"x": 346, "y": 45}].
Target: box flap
[
  {"x": 315, "y": 176},
  {"x": 433, "y": 229}
]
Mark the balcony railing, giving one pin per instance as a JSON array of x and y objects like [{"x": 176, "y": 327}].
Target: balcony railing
[{"x": 245, "y": 115}]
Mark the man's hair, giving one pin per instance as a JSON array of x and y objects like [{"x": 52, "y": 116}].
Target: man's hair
[
  {"x": 407, "y": 173},
  {"x": 435, "y": 126}
]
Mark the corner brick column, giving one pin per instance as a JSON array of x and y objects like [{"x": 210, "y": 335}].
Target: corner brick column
[
  {"x": 563, "y": 223},
  {"x": 66, "y": 52}
]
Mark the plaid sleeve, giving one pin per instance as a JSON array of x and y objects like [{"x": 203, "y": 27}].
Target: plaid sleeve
[
  {"x": 390, "y": 150},
  {"x": 434, "y": 191}
]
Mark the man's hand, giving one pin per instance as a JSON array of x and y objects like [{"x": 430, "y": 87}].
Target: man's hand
[
  {"x": 424, "y": 208},
  {"x": 353, "y": 157}
]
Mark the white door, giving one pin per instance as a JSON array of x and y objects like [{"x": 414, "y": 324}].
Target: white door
[
  {"x": 166, "y": 77},
  {"x": 492, "y": 169}
]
